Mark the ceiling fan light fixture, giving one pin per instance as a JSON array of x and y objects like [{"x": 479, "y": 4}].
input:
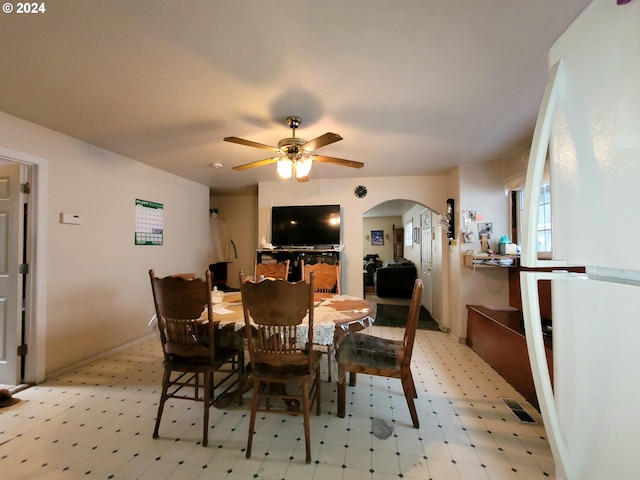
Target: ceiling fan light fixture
[
  {"x": 303, "y": 166},
  {"x": 288, "y": 168},
  {"x": 293, "y": 154},
  {"x": 285, "y": 167}
]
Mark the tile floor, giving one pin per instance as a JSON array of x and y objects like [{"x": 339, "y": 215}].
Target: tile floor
[{"x": 96, "y": 423}]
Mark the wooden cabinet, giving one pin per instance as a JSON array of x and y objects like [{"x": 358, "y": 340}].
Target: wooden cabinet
[
  {"x": 398, "y": 243},
  {"x": 497, "y": 336}
]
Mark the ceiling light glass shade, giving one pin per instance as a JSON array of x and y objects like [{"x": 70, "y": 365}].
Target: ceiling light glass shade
[
  {"x": 303, "y": 167},
  {"x": 285, "y": 167}
]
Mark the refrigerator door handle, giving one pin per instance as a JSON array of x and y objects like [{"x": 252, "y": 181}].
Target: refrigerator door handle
[
  {"x": 539, "y": 365},
  {"x": 535, "y": 169}
]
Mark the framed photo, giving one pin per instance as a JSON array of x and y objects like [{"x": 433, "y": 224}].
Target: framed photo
[
  {"x": 485, "y": 228},
  {"x": 416, "y": 235},
  {"x": 377, "y": 238}
]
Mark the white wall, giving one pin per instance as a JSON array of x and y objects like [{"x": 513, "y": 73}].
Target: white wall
[
  {"x": 98, "y": 284},
  {"x": 429, "y": 191},
  {"x": 438, "y": 295},
  {"x": 413, "y": 253}
]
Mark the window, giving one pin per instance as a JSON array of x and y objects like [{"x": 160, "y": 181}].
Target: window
[{"x": 544, "y": 219}]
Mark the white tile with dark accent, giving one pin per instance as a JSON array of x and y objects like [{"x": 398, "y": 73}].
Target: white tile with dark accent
[{"x": 96, "y": 423}]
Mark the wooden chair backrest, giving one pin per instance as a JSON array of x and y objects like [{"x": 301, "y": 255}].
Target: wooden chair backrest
[
  {"x": 327, "y": 276},
  {"x": 179, "y": 304},
  {"x": 186, "y": 276},
  {"x": 273, "y": 311},
  {"x": 279, "y": 271},
  {"x": 412, "y": 322}
]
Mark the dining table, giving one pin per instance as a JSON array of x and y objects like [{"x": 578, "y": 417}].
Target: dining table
[{"x": 334, "y": 317}]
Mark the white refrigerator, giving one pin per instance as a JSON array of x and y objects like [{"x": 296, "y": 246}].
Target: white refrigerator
[{"x": 589, "y": 129}]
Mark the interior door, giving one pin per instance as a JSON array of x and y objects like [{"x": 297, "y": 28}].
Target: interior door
[
  {"x": 10, "y": 291},
  {"x": 426, "y": 260}
]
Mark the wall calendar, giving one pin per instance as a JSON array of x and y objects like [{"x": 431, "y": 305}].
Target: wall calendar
[{"x": 149, "y": 222}]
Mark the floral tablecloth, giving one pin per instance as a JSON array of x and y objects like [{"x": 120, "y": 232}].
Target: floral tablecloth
[{"x": 336, "y": 312}]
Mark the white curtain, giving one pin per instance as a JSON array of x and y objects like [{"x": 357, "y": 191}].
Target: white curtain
[{"x": 220, "y": 245}]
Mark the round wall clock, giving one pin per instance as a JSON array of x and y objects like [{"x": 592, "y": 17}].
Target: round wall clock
[{"x": 361, "y": 191}]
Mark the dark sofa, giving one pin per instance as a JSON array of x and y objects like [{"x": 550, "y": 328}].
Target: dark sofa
[
  {"x": 370, "y": 263},
  {"x": 395, "y": 279}
]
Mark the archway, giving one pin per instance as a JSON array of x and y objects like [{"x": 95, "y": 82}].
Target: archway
[{"x": 417, "y": 225}]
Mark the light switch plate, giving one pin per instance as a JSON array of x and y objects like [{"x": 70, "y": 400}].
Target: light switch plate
[{"x": 71, "y": 218}]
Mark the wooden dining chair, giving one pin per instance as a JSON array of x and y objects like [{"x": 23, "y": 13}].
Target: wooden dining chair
[
  {"x": 191, "y": 350},
  {"x": 327, "y": 280},
  {"x": 277, "y": 271},
  {"x": 186, "y": 275},
  {"x": 280, "y": 353},
  {"x": 362, "y": 353},
  {"x": 327, "y": 276}
]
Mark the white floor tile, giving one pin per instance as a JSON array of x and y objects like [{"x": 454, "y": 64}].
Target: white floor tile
[{"x": 96, "y": 422}]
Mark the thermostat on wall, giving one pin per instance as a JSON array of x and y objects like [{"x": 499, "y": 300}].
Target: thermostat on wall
[{"x": 71, "y": 218}]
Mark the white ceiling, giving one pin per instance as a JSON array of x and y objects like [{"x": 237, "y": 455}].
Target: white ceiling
[{"x": 415, "y": 87}]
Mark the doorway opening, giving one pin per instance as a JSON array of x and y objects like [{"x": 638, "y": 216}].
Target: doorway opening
[{"x": 22, "y": 271}]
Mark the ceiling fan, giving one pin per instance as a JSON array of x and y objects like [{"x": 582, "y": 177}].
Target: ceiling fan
[{"x": 295, "y": 155}]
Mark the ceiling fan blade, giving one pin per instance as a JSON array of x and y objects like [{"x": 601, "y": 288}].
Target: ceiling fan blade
[
  {"x": 249, "y": 143},
  {"x": 338, "y": 161},
  {"x": 326, "y": 139},
  {"x": 258, "y": 163}
]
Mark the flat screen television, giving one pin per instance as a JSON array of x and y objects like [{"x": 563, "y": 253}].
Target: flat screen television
[{"x": 305, "y": 225}]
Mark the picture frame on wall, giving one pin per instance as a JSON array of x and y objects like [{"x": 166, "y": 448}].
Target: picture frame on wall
[
  {"x": 416, "y": 235},
  {"x": 377, "y": 238}
]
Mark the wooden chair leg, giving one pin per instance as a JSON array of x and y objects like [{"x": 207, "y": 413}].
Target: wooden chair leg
[
  {"x": 307, "y": 424},
  {"x": 352, "y": 379},
  {"x": 318, "y": 385},
  {"x": 342, "y": 397},
  {"x": 413, "y": 386},
  {"x": 240, "y": 377},
  {"x": 252, "y": 420},
  {"x": 208, "y": 382},
  {"x": 163, "y": 399},
  {"x": 408, "y": 394},
  {"x": 329, "y": 349}
]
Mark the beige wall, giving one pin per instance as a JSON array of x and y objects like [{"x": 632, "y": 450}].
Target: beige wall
[
  {"x": 482, "y": 190},
  {"x": 478, "y": 187},
  {"x": 240, "y": 215},
  {"x": 430, "y": 191},
  {"x": 98, "y": 292},
  {"x": 385, "y": 252}
]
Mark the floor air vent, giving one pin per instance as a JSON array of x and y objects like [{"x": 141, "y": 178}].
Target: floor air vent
[{"x": 519, "y": 411}]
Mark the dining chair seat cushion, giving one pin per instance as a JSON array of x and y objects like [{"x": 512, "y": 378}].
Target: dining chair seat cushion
[
  {"x": 360, "y": 349},
  {"x": 194, "y": 354}
]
